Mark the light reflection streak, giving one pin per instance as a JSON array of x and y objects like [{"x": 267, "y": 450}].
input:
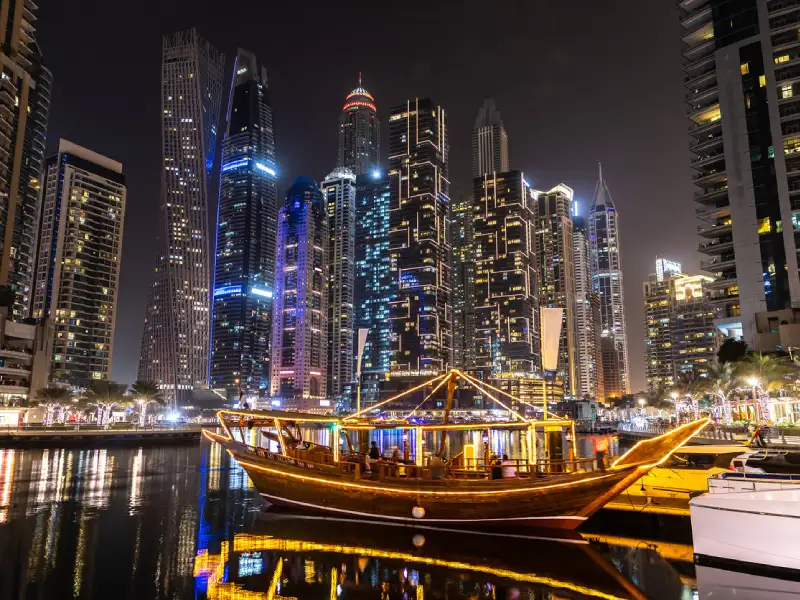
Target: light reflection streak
[{"x": 7, "y": 459}]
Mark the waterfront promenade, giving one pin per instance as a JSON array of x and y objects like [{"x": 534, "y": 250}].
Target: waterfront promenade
[{"x": 91, "y": 435}]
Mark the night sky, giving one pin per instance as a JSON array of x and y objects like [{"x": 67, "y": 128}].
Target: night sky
[{"x": 576, "y": 82}]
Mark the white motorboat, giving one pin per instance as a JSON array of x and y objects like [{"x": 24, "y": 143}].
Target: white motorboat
[
  {"x": 748, "y": 523},
  {"x": 720, "y": 584}
]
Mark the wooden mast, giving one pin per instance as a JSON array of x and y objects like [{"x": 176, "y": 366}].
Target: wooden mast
[{"x": 451, "y": 388}]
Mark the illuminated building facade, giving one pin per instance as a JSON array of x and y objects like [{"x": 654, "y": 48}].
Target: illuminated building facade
[
  {"x": 463, "y": 270},
  {"x": 606, "y": 270},
  {"x": 374, "y": 288},
  {"x": 588, "y": 372},
  {"x": 419, "y": 245},
  {"x": 244, "y": 267},
  {"x": 175, "y": 342},
  {"x": 681, "y": 336},
  {"x": 300, "y": 311},
  {"x": 743, "y": 97},
  {"x": 76, "y": 278},
  {"x": 506, "y": 301},
  {"x": 359, "y": 132},
  {"x": 489, "y": 142},
  {"x": 556, "y": 271},
  {"x": 25, "y": 102},
  {"x": 339, "y": 191}
]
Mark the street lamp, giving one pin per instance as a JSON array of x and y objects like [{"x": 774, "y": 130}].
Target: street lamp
[{"x": 674, "y": 396}]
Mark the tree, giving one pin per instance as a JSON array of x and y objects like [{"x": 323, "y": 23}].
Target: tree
[
  {"x": 105, "y": 395},
  {"x": 691, "y": 386},
  {"x": 732, "y": 350},
  {"x": 722, "y": 384},
  {"x": 52, "y": 399},
  {"x": 767, "y": 373},
  {"x": 146, "y": 393}
]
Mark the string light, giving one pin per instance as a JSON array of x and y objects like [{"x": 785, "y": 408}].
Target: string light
[{"x": 393, "y": 398}]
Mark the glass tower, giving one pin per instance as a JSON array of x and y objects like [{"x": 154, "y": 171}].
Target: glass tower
[
  {"x": 489, "y": 142},
  {"x": 359, "y": 132},
  {"x": 339, "y": 190},
  {"x": 606, "y": 268},
  {"x": 175, "y": 342},
  {"x": 300, "y": 317},
  {"x": 25, "y": 102},
  {"x": 244, "y": 270},
  {"x": 419, "y": 242},
  {"x": 373, "y": 280}
]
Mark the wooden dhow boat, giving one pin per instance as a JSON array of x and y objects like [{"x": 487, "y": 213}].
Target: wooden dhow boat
[{"x": 461, "y": 492}]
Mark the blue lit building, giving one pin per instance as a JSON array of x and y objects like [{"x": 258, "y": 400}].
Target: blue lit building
[
  {"x": 373, "y": 280},
  {"x": 244, "y": 271},
  {"x": 300, "y": 320}
]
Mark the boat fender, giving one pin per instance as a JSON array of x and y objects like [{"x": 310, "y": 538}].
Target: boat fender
[{"x": 418, "y": 512}]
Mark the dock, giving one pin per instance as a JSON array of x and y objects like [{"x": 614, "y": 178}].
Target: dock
[{"x": 86, "y": 437}]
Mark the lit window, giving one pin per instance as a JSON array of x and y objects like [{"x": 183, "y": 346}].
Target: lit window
[
  {"x": 781, "y": 59},
  {"x": 764, "y": 226},
  {"x": 745, "y": 68},
  {"x": 787, "y": 91},
  {"x": 762, "y": 80}
]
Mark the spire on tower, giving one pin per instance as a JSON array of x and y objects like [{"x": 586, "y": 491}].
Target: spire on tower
[{"x": 359, "y": 79}]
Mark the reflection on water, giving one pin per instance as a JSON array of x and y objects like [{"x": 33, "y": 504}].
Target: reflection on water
[{"x": 184, "y": 522}]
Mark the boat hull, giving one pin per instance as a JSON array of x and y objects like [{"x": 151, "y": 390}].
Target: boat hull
[
  {"x": 563, "y": 502},
  {"x": 748, "y": 528}
]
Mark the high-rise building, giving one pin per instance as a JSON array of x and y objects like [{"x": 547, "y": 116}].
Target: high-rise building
[
  {"x": 680, "y": 332},
  {"x": 359, "y": 132},
  {"x": 247, "y": 215},
  {"x": 588, "y": 373},
  {"x": 606, "y": 270},
  {"x": 300, "y": 311},
  {"x": 506, "y": 280},
  {"x": 556, "y": 271},
  {"x": 374, "y": 288},
  {"x": 175, "y": 342},
  {"x": 489, "y": 142},
  {"x": 743, "y": 98},
  {"x": 419, "y": 245},
  {"x": 25, "y": 99},
  {"x": 339, "y": 191},
  {"x": 76, "y": 278},
  {"x": 463, "y": 272}
]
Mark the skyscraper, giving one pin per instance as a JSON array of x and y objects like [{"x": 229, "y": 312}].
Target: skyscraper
[
  {"x": 679, "y": 324},
  {"x": 463, "y": 271},
  {"x": 419, "y": 238},
  {"x": 175, "y": 342},
  {"x": 300, "y": 310},
  {"x": 556, "y": 270},
  {"x": 339, "y": 191},
  {"x": 26, "y": 85},
  {"x": 588, "y": 373},
  {"x": 606, "y": 269},
  {"x": 506, "y": 283},
  {"x": 743, "y": 100},
  {"x": 374, "y": 286},
  {"x": 489, "y": 142},
  {"x": 78, "y": 259},
  {"x": 247, "y": 215},
  {"x": 359, "y": 132}
]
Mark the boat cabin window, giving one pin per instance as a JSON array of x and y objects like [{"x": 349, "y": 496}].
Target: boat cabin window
[{"x": 687, "y": 460}]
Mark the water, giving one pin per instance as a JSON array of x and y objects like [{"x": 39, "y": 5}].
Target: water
[{"x": 185, "y": 522}]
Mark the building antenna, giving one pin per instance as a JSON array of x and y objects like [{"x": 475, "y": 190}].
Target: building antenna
[{"x": 359, "y": 79}]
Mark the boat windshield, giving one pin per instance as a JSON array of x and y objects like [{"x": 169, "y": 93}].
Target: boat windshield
[{"x": 701, "y": 462}]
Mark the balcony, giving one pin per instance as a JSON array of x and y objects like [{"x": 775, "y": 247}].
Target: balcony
[
  {"x": 712, "y": 214},
  {"x": 706, "y": 130},
  {"x": 716, "y": 230},
  {"x": 698, "y": 51},
  {"x": 714, "y": 196},
  {"x": 721, "y": 283},
  {"x": 695, "y": 20},
  {"x": 718, "y": 264},
  {"x": 778, "y": 6},
  {"x": 716, "y": 247},
  {"x": 708, "y": 158},
  {"x": 706, "y": 145},
  {"x": 712, "y": 177},
  {"x": 702, "y": 98}
]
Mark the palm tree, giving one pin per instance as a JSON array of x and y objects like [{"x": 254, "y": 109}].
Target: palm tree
[
  {"x": 105, "y": 395},
  {"x": 722, "y": 384},
  {"x": 691, "y": 386},
  {"x": 767, "y": 373},
  {"x": 146, "y": 393},
  {"x": 52, "y": 399}
]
